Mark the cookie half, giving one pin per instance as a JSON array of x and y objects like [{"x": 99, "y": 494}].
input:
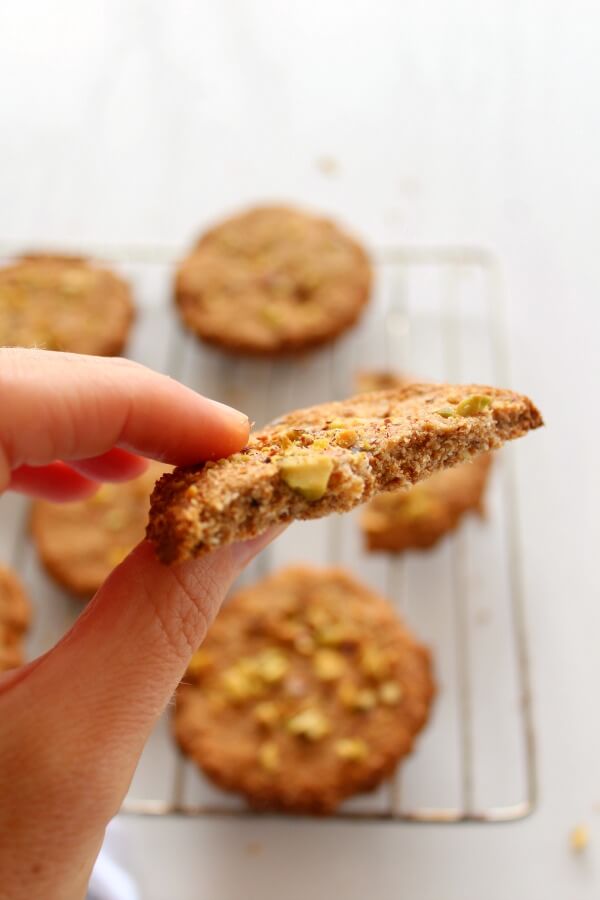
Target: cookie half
[
  {"x": 418, "y": 517},
  {"x": 64, "y": 303},
  {"x": 308, "y": 689},
  {"x": 15, "y": 617},
  {"x": 80, "y": 543},
  {"x": 330, "y": 458},
  {"x": 273, "y": 281}
]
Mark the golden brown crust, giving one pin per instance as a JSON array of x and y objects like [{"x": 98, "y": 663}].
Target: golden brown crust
[
  {"x": 330, "y": 458},
  {"x": 272, "y": 281},
  {"x": 307, "y": 690},
  {"x": 64, "y": 303},
  {"x": 15, "y": 617},
  {"x": 80, "y": 543}
]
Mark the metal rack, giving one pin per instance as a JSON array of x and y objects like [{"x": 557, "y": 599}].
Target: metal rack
[{"x": 438, "y": 314}]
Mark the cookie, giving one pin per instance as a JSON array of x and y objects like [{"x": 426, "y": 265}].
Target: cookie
[
  {"x": 80, "y": 543},
  {"x": 308, "y": 689},
  {"x": 273, "y": 281},
  {"x": 419, "y": 516},
  {"x": 63, "y": 303},
  {"x": 15, "y": 616},
  {"x": 330, "y": 458}
]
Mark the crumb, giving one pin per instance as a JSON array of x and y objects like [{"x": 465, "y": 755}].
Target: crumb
[
  {"x": 579, "y": 838},
  {"x": 328, "y": 165}
]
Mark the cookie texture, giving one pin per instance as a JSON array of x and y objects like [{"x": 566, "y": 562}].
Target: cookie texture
[
  {"x": 64, "y": 303},
  {"x": 15, "y": 617},
  {"x": 80, "y": 543},
  {"x": 308, "y": 689},
  {"x": 271, "y": 281},
  {"x": 418, "y": 517},
  {"x": 330, "y": 458}
]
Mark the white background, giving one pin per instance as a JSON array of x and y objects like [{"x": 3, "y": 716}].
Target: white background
[{"x": 465, "y": 121}]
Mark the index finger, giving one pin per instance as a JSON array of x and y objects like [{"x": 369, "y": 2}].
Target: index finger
[{"x": 71, "y": 407}]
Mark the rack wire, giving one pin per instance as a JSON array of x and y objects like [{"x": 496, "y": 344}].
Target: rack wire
[{"x": 438, "y": 313}]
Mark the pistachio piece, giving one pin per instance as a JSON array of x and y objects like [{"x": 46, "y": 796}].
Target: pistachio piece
[
  {"x": 390, "y": 693},
  {"x": 309, "y": 474},
  {"x": 446, "y": 412},
  {"x": 351, "y": 749},
  {"x": 310, "y": 724},
  {"x": 328, "y": 664},
  {"x": 271, "y": 665},
  {"x": 266, "y": 713},
  {"x": 268, "y": 756},
  {"x": 271, "y": 316},
  {"x": 374, "y": 662},
  {"x": 473, "y": 405}
]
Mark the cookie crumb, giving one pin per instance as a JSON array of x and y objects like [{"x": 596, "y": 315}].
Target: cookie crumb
[
  {"x": 579, "y": 838},
  {"x": 327, "y": 165}
]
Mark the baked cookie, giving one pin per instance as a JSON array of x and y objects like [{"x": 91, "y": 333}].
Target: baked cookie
[
  {"x": 330, "y": 458},
  {"x": 308, "y": 689},
  {"x": 15, "y": 616},
  {"x": 80, "y": 543},
  {"x": 272, "y": 281},
  {"x": 63, "y": 303},
  {"x": 419, "y": 516}
]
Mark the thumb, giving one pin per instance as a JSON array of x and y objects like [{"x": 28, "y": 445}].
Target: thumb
[{"x": 74, "y": 722}]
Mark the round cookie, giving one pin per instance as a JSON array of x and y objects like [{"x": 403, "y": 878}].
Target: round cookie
[
  {"x": 15, "y": 616},
  {"x": 272, "y": 281},
  {"x": 308, "y": 689},
  {"x": 420, "y": 516},
  {"x": 80, "y": 543},
  {"x": 63, "y": 303}
]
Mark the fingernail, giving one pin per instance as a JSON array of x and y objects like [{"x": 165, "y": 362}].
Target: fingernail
[
  {"x": 244, "y": 551},
  {"x": 229, "y": 412}
]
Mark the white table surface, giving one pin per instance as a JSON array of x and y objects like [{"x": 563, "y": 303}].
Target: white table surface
[{"x": 126, "y": 122}]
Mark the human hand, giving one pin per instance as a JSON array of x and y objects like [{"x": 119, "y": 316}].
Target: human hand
[{"x": 73, "y": 722}]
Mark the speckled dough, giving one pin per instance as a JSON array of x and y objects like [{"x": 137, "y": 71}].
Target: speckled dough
[
  {"x": 271, "y": 281},
  {"x": 330, "y": 458},
  {"x": 63, "y": 303},
  {"x": 308, "y": 689},
  {"x": 15, "y": 616},
  {"x": 80, "y": 543}
]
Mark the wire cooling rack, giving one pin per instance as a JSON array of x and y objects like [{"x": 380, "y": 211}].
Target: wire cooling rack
[{"x": 438, "y": 315}]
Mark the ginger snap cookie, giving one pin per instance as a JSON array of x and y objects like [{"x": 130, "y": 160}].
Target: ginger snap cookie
[
  {"x": 330, "y": 458},
  {"x": 420, "y": 516},
  {"x": 81, "y": 543},
  {"x": 15, "y": 616},
  {"x": 273, "y": 280},
  {"x": 308, "y": 689},
  {"x": 64, "y": 303}
]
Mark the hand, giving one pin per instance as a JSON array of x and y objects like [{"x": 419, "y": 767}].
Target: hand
[{"x": 73, "y": 722}]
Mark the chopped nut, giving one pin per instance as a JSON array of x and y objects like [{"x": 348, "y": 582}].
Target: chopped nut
[
  {"x": 361, "y": 699},
  {"x": 310, "y": 724},
  {"x": 390, "y": 693},
  {"x": 351, "y": 749},
  {"x": 266, "y": 713},
  {"x": 374, "y": 663},
  {"x": 346, "y": 438},
  {"x": 473, "y": 405},
  {"x": 579, "y": 838},
  {"x": 271, "y": 665},
  {"x": 268, "y": 756},
  {"x": 317, "y": 617},
  {"x": 446, "y": 411},
  {"x": 271, "y": 315},
  {"x": 336, "y": 634},
  {"x": 328, "y": 665},
  {"x": 199, "y": 663},
  {"x": 309, "y": 475},
  {"x": 241, "y": 681}
]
